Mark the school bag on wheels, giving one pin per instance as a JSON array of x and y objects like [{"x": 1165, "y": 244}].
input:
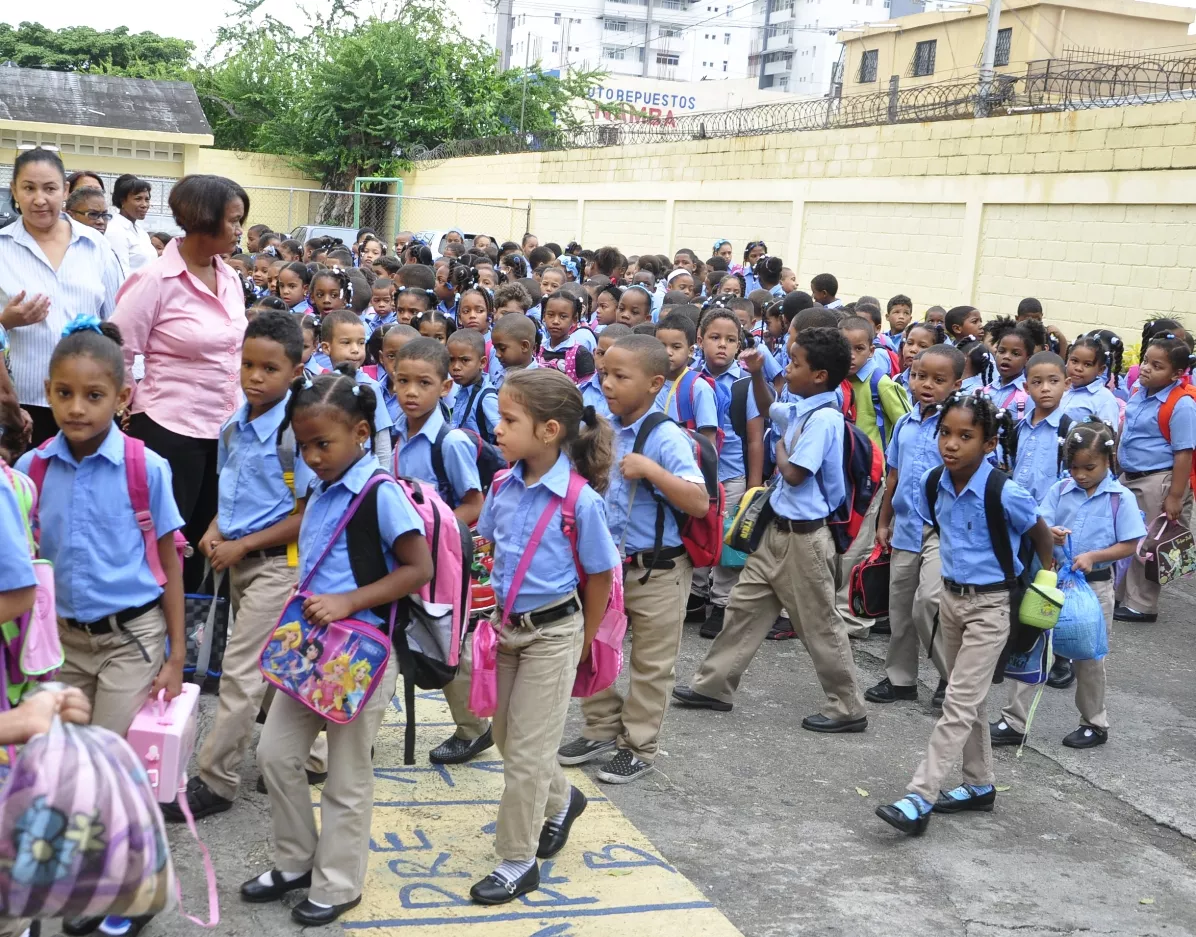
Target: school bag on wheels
[{"x": 868, "y": 587}]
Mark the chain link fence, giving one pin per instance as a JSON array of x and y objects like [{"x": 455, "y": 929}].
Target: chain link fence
[
  {"x": 1048, "y": 85},
  {"x": 287, "y": 209}
]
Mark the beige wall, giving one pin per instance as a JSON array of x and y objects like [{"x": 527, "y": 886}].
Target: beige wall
[{"x": 1092, "y": 211}]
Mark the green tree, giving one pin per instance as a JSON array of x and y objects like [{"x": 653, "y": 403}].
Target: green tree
[{"x": 83, "y": 49}]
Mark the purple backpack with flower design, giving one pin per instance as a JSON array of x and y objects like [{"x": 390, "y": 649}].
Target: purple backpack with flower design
[{"x": 81, "y": 834}]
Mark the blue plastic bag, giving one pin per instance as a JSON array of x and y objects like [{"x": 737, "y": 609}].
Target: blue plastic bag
[{"x": 1081, "y": 633}]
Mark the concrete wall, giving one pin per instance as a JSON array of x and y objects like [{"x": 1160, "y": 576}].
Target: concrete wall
[{"x": 1092, "y": 211}]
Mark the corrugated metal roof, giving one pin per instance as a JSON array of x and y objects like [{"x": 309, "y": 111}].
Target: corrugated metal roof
[{"x": 42, "y": 96}]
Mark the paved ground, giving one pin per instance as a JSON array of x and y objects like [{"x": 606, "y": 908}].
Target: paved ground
[{"x": 774, "y": 825}]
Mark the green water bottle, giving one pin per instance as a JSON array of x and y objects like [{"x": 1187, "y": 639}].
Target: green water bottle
[{"x": 1042, "y": 602}]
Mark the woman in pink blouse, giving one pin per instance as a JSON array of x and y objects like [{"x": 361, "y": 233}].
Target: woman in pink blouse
[{"x": 185, "y": 312}]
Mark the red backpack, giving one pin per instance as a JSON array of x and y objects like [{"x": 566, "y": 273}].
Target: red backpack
[
  {"x": 863, "y": 469},
  {"x": 702, "y": 536},
  {"x": 1167, "y": 409}
]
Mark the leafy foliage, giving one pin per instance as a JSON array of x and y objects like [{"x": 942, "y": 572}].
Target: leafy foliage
[{"x": 83, "y": 49}]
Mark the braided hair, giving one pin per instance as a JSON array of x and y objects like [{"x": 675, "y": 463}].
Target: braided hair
[
  {"x": 934, "y": 328},
  {"x": 994, "y": 422},
  {"x": 1093, "y": 434},
  {"x": 1115, "y": 351},
  {"x": 336, "y": 390},
  {"x": 979, "y": 358}
]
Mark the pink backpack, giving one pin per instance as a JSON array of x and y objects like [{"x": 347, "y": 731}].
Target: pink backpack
[
  {"x": 138, "y": 484},
  {"x": 606, "y": 652},
  {"x": 567, "y": 365}
]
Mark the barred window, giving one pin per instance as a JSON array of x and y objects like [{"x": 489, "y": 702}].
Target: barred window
[{"x": 868, "y": 66}]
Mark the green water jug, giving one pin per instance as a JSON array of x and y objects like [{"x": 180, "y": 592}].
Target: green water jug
[{"x": 1042, "y": 602}]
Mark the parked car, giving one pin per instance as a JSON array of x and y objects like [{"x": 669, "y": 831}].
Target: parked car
[
  {"x": 307, "y": 231},
  {"x": 8, "y": 214},
  {"x": 435, "y": 240}
]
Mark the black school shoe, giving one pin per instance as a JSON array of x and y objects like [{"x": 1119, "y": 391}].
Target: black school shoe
[
  {"x": 1087, "y": 737},
  {"x": 713, "y": 625},
  {"x": 964, "y": 798},
  {"x": 939, "y": 695},
  {"x": 782, "y": 630},
  {"x": 887, "y": 692},
  {"x": 78, "y": 926},
  {"x": 255, "y": 892},
  {"x": 1062, "y": 674},
  {"x": 694, "y": 700},
  {"x": 820, "y": 723},
  {"x": 695, "y": 609},
  {"x": 552, "y": 837},
  {"x": 202, "y": 800},
  {"x": 1002, "y": 733},
  {"x": 897, "y": 818},
  {"x": 882, "y": 626},
  {"x": 455, "y": 751},
  {"x": 494, "y": 889},
  {"x": 1122, "y": 613},
  {"x": 310, "y": 915}
]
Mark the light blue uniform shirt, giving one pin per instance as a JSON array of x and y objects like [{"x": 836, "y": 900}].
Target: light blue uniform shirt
[
  {"x": 1038, "y": 466},
  {"x": 391, "y": 401},
  {"x": 772, "y": 364},
  {"x": 591, "y": 395},
  {"x": 705, "y": 411},
  {"x": 818, "y": 449},
  {"x": 964, "y": 544},
  {"x": 969, "y": 385},
  {"x": 16, "y": 568},
  {"x": 377, "y": 320},
  {"x": 1093, "y": 399},
  {"x": 509, "y": 517},
  {"x": 253, "y": 494},
  {"x": 582, "y": 337},
  {"x": 668, "y": 446},
  {"x": 413, "y": 456},
  {"x": 502, "y": 374},
  {"x": 731, "y": 458},
  {"x": 1143, "y": 448},
  {"x": 913, "y": 451},
  {"x": 324, "y": 511},
  {"x": 467, "y": 418},
  {"x": 880, "y": 358},
  {"x": 1090, "y": 519},
  {"x": 382, "y": 418},
  {"x": 89, "y": 532}
]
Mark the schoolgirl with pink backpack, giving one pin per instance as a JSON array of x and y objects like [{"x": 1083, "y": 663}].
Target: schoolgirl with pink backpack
[{"x": 557, "y": 579}]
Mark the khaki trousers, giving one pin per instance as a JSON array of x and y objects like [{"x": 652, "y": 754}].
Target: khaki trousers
[
  {"x": 856, "y": 553},
  {"x": 536, "y": 669},
  {"x": 655, "y": 614},
  {"x": 1136, "y": 591},
  {"x": 259, "y": 588},
  {"x": 974, "y": 630},
  {"x": 915, "y": 581},
  {"x": 337, "y": 855},
  {"x": 111, "y": 670},
  {"x": 795, "y": 571},
  {"x": 469, "y": 726},
  {"x": 1090, "y": 679},
  {"x": 716, "y": 582}
]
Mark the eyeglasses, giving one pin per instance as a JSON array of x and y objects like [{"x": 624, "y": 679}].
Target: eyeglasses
[{"x": 94, "y": 215}]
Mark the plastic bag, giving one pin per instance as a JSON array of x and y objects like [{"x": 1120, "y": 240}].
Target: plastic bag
[{"x": 1081, "y": 633}]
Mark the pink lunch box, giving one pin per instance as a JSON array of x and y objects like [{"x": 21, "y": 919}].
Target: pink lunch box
[{"x": 163, "y": 736}]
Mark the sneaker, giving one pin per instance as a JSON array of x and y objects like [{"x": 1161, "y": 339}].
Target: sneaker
[
  {"x": 695, "y": 609},
  {"x": 1087, "y": 737},
  {"x": 713, "y": 624},
  {"x": 202, "y": 800},
  {"x": 579, "y": 751},
  {"x": 886, "y": 692},
  {"x": 1002, "y": 733},
  {"x": 782, "y": 630},
  {"x": 939, "y": 695},
  {"x": 623, "y": 768}
]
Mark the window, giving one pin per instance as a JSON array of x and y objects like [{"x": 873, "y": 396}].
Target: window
[
  {"x": 1004, "y": 41},
  {"x": 616, "y": 26},
  {"x": 556, "y": 19},
  {"x": 665, "y": 58},
  {"x": 726, "y": 39},
  {"x": 610, "y": 52},
  {"x": 669, "y": 32},
  {"x": 556, "y": 47},
  {"x": 924, "y": 58},
  {"x": 867, "y": 71}
]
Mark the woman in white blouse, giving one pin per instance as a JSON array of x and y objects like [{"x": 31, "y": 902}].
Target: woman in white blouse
[{"x": 126, "y": 232}]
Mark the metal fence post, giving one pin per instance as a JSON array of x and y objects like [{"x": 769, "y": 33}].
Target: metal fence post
[
  {"x": 894, "y": 98},
  {"x": 290, "y": 203}
]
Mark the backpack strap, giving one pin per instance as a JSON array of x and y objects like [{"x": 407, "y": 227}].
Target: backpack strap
[
  {"x": 738, "y": 409},
  {"x": 994, "y": 517},
  {"x": 529, "y": 553},
  {"x": 138, "y": 482},
  {"x": 37, "y": 474},
  {"x": 363, "y": 538},
  {"x": 874, "y": 380},
  {"x": 684, "y": 389},
  {"x": 932, "y": 494},
  {"x": 443, "y": 485},
  {"x": 577, "y": 482},
  {"x": 285, "y": 450},
  {"x": 1168, "y": 408},
  {"x": 1064, "y": 425},
  {"x": 651, "y": 421}
]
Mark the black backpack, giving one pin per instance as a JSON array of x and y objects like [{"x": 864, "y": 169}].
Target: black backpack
[
  {"x": 489, "y": 459},
  {"x": 477, "y": 396}
]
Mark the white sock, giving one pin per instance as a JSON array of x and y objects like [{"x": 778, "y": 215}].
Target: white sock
[
  {"x": 319, "y": 904},
  {"x": 266, "y": 878},
  {"x": 512, "y": 870},
  {"x": 559, "y": 819}
]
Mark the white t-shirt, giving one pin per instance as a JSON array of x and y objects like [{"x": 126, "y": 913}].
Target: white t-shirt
[{"x": 131, "y": 242}]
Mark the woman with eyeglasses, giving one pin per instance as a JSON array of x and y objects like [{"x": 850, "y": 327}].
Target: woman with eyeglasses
[
  {"x": 126, "y": 232},
  {"x": 52, "y": 268},
  {"x": 88, "y": 206}
]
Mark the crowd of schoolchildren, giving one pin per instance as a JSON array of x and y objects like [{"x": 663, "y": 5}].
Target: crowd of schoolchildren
[{"x": 683, "y": 393}]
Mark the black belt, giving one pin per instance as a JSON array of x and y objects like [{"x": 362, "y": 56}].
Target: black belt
[
  {"x": 110, "y": 623},
  {"x": 785, "y": 525},
  {"x": 1134, "y": 476},
  {"x": 962, "y": 588},
  {"x": 267, "y": 554},
  {"x": 1100, "y": 575},
  {"x": 547, "y": 616},
  {"x": 659, "y": 560}
]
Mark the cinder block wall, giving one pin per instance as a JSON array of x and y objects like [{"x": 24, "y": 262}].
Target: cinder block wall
[{"x": 1091, "y": 211}]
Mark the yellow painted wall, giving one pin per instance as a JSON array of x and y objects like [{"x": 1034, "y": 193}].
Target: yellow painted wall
[{"x": 1092, "y": 211}]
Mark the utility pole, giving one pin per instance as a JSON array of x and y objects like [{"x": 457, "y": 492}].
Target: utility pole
[
  {"x": 647, "y": 37},
  {"x": 564, "y": 59},
  {"x": 764, "y": 43},
  {"x": 502, "y": 39},
  {"x": 527, "y": 64},
  {"x": 987, "y": 62}
]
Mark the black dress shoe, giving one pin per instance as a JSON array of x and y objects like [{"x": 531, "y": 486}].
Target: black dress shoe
[
  {"x": 1086, "y": 737},
  {"x": 255, "y": 892},
  {"x": 939, "y": 695},
  {"x": 981, "y": 802},
  {"x": 695, "y": 609},
  {"x": 260, "y": 787},
  {"x": 553, "y": 838},
  {"x": 882, "y": 626},
  {"x": 713, "y": 625},
  {"x": 886, "y": 692},
  {"x": 1062, "y": 674},
  {"x": 310, "y": 915},
  {"x": 687, "y": 697},
  {"x": 820, "y": 723},
  {"x": 78, "y": 926},
  {"x": 202, "y": 800},
  {"x": 896, "y": 818},
  {"x": 1002, "y": 733},
  {"x": 782, "y": 630},
  {"x": 1121, "y": 613},
  {"x": 494, "y": 889},
  {"x": 455, "y": 751}
]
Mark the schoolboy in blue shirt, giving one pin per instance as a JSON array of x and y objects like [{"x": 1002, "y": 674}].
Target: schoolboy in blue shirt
[
  {"x": 1038, "y": 463},
  {"x": 657, "y": 575},
  {"x": 474, "y": 400},
  {"x": 591, "y": 390},
  {"x": 342, "y": 338},
  {"x": 794, "y": 565},
  {"x": 258, "y": 517}
]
